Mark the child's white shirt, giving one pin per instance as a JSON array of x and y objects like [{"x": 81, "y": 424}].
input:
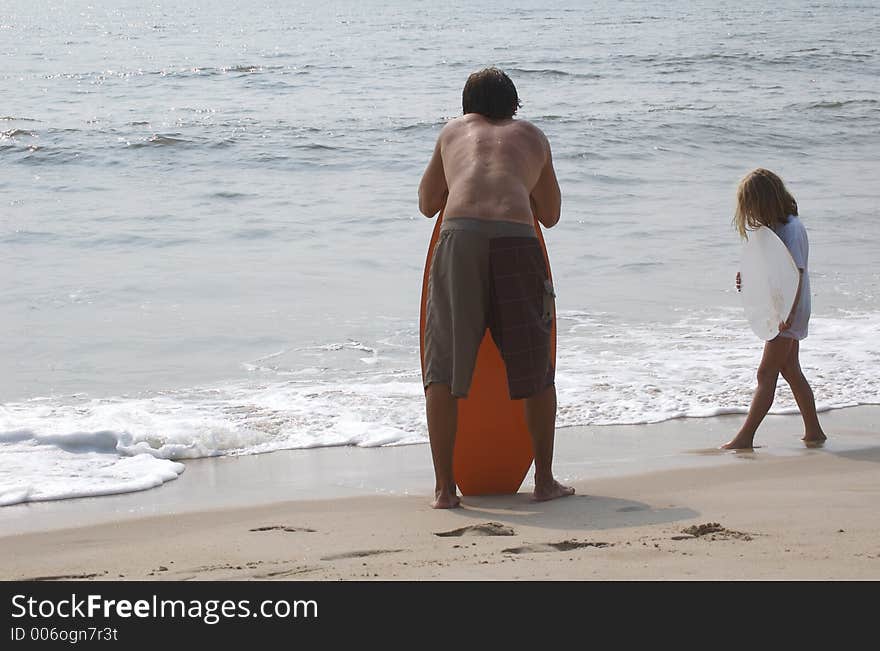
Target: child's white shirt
[{"x": 794, "y": 236}]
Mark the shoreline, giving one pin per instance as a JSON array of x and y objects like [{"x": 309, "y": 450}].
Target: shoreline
[
  {"x": 582, "y": 453},
  {"x": 781, "y": 512}
]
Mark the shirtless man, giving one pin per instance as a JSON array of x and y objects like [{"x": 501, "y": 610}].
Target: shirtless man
[{"x": 491, "y": 172}]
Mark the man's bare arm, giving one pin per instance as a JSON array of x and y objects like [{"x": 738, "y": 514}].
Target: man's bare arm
[
  {"x": 433, "y": 189},
  {"x": 546, "y": 197}
]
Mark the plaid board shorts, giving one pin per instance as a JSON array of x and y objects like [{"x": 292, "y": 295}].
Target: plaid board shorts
[{"x": 489, "y": 274}]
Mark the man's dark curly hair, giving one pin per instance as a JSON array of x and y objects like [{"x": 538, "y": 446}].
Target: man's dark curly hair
[{"x": 490, "y": 92}]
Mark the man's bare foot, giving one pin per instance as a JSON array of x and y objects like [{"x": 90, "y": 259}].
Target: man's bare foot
[
  {"x": 551, "y": 491},
  {"x": 445, "y": 500},
  {"x": 738, "y": 443}
]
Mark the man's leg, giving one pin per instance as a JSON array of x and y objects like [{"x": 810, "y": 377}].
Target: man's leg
[
  {"x": 541, "y": 420},
  {"x": 442, "y": 411},
  {"x": 776, "y": 352}
]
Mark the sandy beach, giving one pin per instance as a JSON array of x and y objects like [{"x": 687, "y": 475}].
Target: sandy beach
[{"x": 780, "y": 512}]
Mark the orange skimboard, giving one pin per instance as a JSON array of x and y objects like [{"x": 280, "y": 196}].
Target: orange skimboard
[{"x": 493, "y": 448}]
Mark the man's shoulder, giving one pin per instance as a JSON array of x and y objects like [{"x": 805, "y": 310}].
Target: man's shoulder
[
  {"x": 451, "y": 122},
  {"x": 531, "y": 129},
  {"x": 528, "y": 126},
  {"x": 528, "y": 132},
  {"x": 452, "y": 126}
]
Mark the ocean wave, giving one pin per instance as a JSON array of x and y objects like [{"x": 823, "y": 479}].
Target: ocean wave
[
  {"x": 15, "y": 133},
  {"x": 159, "y": 140},
  {"x": 552, "y": 72},
  {"x": 100, "y": 441},
  {"x": 422, "y": 125},
  {"x": 642, "y": 266},
  {"x": 242, "y": 69},
  {"x": 247, "y": 68},
  {"x": 685, "y": 62},
  {"x": 132, "y": 241},
  {"x": 254, "y": 233},
  {"x": 628, "y": 21},
  {"x": 681, "y": 107},
  {"x": 229, "y": 194},
  {"x": 558, "y": 119},
  {"x": 44, "y": 155},
  {"x": 99, "y": 77},
  {"x": 265, "y": 157},
  {"x": 319, "y": 146},
  {"x": 175, "y": 140},
  {"x": 29, "y": 237},
  {"x": 832, "y": 104}
]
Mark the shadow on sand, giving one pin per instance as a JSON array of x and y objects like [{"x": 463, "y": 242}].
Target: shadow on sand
[{"x": 581, "y": 512}]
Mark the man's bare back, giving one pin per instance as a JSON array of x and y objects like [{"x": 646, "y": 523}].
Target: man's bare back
[{"x": 491, "y": 169}]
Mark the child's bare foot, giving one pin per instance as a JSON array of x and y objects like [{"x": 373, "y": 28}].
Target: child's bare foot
[
  {"x": 551, "y": 491},
  {"x": 445, "y": 500},
  {"x": 814, "y": 439},
  {"x": 739, "y": 443}
]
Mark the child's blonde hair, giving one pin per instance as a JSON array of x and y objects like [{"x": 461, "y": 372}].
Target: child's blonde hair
[{"x": 762, "y": 200}]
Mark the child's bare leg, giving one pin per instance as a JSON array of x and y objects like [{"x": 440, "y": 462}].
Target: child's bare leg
[
  {"x": 776, "y": 353},
  {"x": 803, "y": 395}
]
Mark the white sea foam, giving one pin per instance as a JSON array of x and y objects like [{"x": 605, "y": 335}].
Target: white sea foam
[
  {"x": 33, "y": 469},
  {"x": 703, "y": 366},
  {"x": 609, "y": 372}
]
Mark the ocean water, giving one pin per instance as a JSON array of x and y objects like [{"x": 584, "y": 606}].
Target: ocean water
[{"x": 210, "y": 241}]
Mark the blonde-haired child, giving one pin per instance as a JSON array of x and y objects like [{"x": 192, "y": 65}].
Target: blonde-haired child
[{"x": 763, "y": 200}]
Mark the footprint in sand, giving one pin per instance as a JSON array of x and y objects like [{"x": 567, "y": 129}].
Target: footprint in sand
[
  {"x": 361, "y": 554},
  {"x": 485, "y": 529},
  {"x": 289, "y": 572},
  {"x": 66, "y": 577},
  {"x": 564, "y": 546},
  {"x": 282, "y": 527},
  {"x": 714, "y": 531}
]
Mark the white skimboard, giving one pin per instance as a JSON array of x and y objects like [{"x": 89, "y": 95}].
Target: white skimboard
[{"x": 769, "y": 282}]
